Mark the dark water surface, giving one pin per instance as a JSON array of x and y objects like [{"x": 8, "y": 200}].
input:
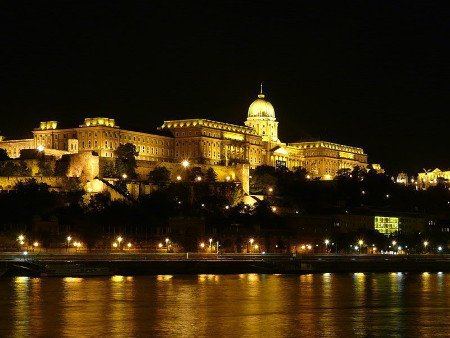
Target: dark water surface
[{"x": 332, "y": 305}]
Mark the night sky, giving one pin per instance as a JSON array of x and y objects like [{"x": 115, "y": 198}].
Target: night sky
[{"x": 369, "y": 73}]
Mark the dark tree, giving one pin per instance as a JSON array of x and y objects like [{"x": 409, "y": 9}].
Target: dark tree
[
  {"x": 126, "y": 159},
  {"x": 13, "y": 168},
  {"x": 3, "y": 155},
  {"x": 159, "y": 175},
  {"x": 194, "y": 173},
  {"x": 62, "y": 166},
  {"x": 211, "y": 175},
  {"x": 45, "y": 166}
]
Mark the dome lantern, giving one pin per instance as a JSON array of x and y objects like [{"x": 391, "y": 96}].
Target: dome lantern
[{"x": 261, "y": 107}]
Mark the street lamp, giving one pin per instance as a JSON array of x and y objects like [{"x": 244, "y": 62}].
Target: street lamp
[
  {"x": 210, "y": 245},
  {"x": 124, "y": 176},
  {"x": 129, "y": 245},
  {"x": 69, "y": 238},
  {"x": 251, "y": 240},
  {"x": 327, "y": 241},
  {"x": 178, "y": 178},
  {"x": 185, "y": 163},
  {"x": 425, "y": 244},
  {"x": 115, "y": 245},
  {"x": 119, "y": 240},
  {"x": 270, "y": 190},
  {"x": 198, "y": 178},
  {"x": 360, "y": 242},
  {"x": 167, "y": 245}
]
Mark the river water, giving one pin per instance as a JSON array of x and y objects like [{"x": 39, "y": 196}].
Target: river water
[{"x": 330, "y": 305}]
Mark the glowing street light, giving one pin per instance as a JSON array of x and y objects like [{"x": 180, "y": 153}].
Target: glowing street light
[
  {"x": 119, "y": 240},
  {"x": 160, "y": 245},
  {"x": 40, "y": 148},
  {"x": 439, "y": 248},
  {"x": 167, "y": 244},
  {"x": 270, "y": 189},
  {"x": 327, "y": 241},
  {"x": 202, "y": 245},
  {"x": 210, "y": 244},
  {"x": 251, "y": 241},
  {"x": 21, "y": 238},
  {"x": 394, "y": 243},
  {"x": 124, "y": 176},
  {"x": 308, "y": 176},
  {"x": 360, "y": 242},
  {"x": 178, "y": 178},
  {"x": 228, "y": 178},
  {"x": 425, "y": 244},
  {"x": 36, "y": 244},
  {"x": 185, "y": 163},
  {"x": 198, "y": 178},
  {"x": 68, "y": 239},
  {"x": 115, "y": 245},
  {"x": 274, "y": 209},
  {"x": 129, "y": 245}
]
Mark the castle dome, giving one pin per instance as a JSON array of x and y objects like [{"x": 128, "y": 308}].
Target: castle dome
[{"x": 261, "y": 107}]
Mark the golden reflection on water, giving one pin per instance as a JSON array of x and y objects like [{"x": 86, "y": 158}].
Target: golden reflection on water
[
  {"x": 359, "y": 300},
  {"x": 208, "y": 278},
  {"x": 21, "y": 306},
  {"x": 327, "y": 320},
  {"x": 164, "y": 278},
  {"x": 328, "y": 305}
]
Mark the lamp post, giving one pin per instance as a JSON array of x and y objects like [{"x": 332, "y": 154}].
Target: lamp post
[
  {"x": 251, "y": 240},
  {"x": 360, "y": 242},
  {"x": 69, "y": 238},
  {"x": 425, "y": 244},
  {"x": 167, "y": 245},
  {"x": 21, "y": 240},
  {"x": 210, "y": 245},
  {"x": 327, "y": 241},
  {"x": 119, "y": 240}
]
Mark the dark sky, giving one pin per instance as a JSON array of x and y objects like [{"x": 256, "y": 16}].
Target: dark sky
[{"x": 368, "y": 73}]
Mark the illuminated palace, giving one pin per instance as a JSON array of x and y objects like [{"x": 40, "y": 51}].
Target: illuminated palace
[{"x": 200, "y": 141}]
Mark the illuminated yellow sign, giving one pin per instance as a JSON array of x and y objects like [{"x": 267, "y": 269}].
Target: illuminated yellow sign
[{"x": 386, "y": 225}]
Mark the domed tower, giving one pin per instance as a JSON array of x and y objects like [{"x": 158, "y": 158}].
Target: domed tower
[{"x": 261, "y": 117}]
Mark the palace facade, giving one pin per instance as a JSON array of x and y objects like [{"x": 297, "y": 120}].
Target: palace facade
[{"x": 201, "y": 141}]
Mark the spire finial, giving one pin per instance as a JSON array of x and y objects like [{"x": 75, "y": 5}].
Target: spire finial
[{"x": 261, "y": 95}]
